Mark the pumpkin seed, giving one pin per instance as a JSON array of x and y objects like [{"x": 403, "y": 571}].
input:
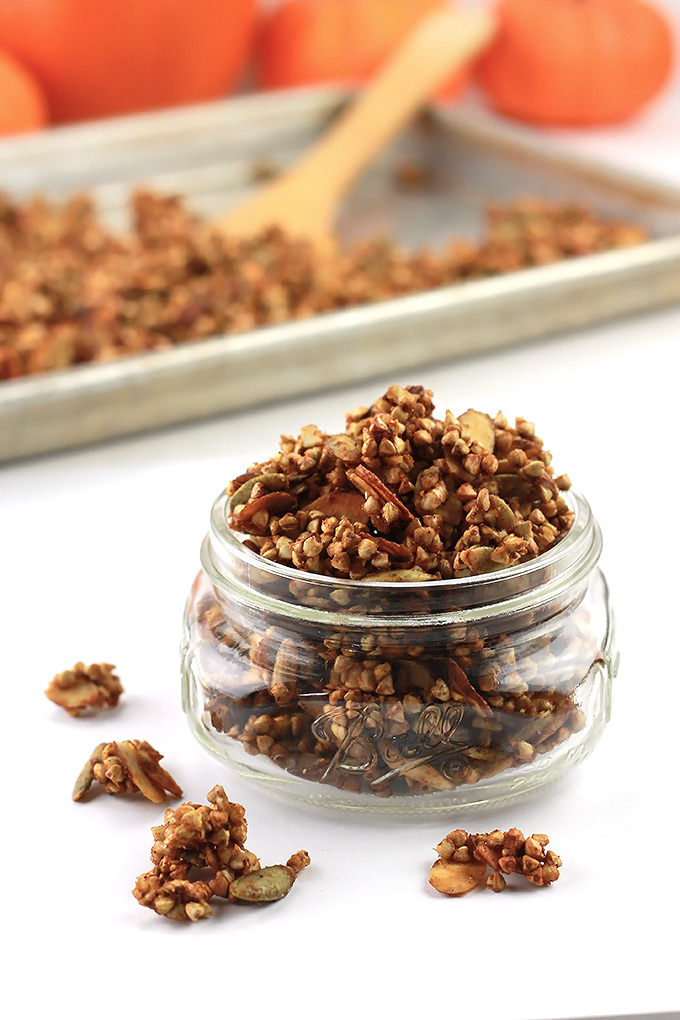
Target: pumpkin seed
[
  {"x": 408, "y": 574},
  {"x": 272, "y": 481},
  {"x": 86, "y": 777},
  {"x": 264, "y": 886}
]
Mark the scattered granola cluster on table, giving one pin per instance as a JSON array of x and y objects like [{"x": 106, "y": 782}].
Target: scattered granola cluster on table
[
  {"x": 85, "y": 689},
  {"x": 381, "y": 707},
  {"x": 212, "y": 836},
  {"x": 464, "y": 859},
  {"x": 127, "y": 766},
  {"x": 71, "y": 291}
]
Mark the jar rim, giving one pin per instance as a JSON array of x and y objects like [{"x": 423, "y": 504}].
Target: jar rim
[{"x": 228, "y": 562}]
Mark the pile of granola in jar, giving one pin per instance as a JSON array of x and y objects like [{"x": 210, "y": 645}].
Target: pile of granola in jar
[{"x": 413, "y": 607}]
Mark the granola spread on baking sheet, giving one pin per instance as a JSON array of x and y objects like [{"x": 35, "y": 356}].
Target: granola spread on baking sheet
[{"x": 71, "y": 291}]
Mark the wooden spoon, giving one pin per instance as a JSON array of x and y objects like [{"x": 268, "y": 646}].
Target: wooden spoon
[{"x": 305, "y": 199}]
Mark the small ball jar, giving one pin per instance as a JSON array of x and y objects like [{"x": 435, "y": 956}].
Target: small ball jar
[{"x": 398, "y": 695}]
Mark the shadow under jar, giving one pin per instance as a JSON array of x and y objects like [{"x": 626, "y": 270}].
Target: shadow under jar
[{"x": 399, "y": 696}]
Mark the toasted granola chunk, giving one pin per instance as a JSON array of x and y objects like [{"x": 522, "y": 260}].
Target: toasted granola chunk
[
  {"x": 127, "y": 766},
  {"x": 464, "y": 859},
  {"x": 177, "y": 898},
  {"x": 200, "y": 836},
  {"x": 205, "y": 835},
  {"x": 85, "y": 688}
]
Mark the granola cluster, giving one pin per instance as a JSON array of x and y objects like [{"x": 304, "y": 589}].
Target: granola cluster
[
  {"x": 403, "y": 491},
  {"x": 200, "y": 836},
  {"x": 465, "y": 858},
  {"x": 127, "y": 766},
  {"x": 71, "y": 291},
  {"x": 352, "y": 696},
  {"x": 85, "y": 689}
]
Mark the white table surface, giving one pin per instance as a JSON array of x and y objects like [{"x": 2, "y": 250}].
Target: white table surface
[{"x": 97, "y": 553}]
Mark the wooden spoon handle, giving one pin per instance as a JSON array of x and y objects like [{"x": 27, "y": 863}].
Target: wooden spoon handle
[
  {"x": 304, "y": 200},
  {"x": 441, "y": 44}
]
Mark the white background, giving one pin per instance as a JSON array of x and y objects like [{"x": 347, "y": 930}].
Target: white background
[{"x": 97, "y": 552}]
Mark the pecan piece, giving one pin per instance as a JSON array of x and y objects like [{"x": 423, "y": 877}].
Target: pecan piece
[
  {"x": 458, "y": 682},
  {"x": 395, "y": 550},
  {"x": 369, "y": 483}
]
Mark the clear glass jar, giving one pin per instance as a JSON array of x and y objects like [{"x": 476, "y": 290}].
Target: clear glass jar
[{"x": 399, "y": 696}]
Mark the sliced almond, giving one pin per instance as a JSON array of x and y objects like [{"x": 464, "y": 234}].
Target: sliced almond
[
  {"x": 455, "y": 879},
  {"x": 272, "y": 502},
  {"x": 478, "y": 428},
  {"x": 150, "y": 758},
  {"x": 349, "y": 505},
  {"x": 74, "y": 699},
  {"x": 126, "y": 752}
]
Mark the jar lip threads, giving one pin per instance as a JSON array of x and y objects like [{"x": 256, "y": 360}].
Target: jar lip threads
[{"x": 228, "y": 562}]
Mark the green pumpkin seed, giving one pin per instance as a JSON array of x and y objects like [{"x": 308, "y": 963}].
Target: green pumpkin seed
[
  {"x": 263, "y": 886},
  {"x": 86, "y": 777}
]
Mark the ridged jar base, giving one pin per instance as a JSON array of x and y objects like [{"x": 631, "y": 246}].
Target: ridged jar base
[{"x": 509, "y": 785}]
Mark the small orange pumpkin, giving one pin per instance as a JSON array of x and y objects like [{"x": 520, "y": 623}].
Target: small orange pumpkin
[
  {"x": 309, "y": 42},
  {"x": 95, "y": 58},
  {"x": 576, "y": 62},
  {"x": 22, "y": 104}
]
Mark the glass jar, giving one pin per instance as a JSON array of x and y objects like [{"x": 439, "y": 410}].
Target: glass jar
[{"x": 399, "y": 695}]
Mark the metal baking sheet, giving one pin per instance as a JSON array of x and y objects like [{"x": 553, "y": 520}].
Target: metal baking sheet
[{"x": 208, "y": 154}]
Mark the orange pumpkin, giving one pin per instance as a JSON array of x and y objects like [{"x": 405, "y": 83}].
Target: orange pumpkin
[
  {"x": 22, "y": 104},
  {"x": 307, "y": 42},
  {"x": 95, "y": 58},
  {"x": 576, "y": 62}
]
